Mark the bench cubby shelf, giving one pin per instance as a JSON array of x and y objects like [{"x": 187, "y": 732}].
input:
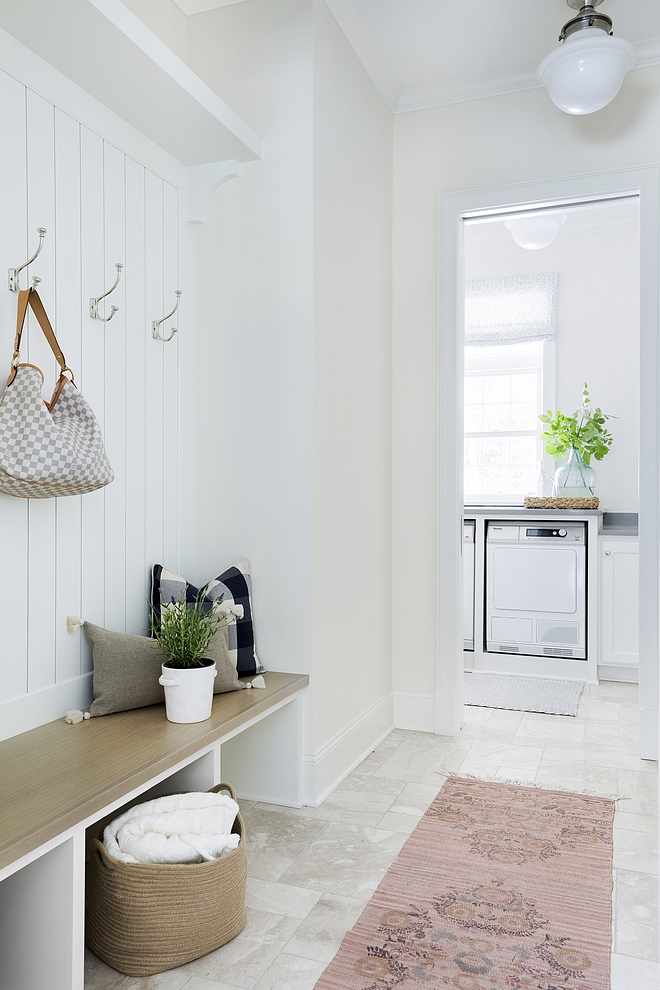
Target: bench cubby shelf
[{"x": 58, "y": 780}]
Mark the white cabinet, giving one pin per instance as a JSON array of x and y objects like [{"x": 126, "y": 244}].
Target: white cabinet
[{"x": 619, "y": 609}]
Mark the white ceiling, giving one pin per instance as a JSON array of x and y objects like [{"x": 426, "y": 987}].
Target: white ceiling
[
  {"x": 423, "y": 53},
  {"x": 200, "y": 6}
]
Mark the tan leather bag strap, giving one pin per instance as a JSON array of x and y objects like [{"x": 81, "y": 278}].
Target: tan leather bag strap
[{"x": 31, "y": 297}]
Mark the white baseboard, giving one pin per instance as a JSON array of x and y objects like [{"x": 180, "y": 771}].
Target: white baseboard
[
  {"x": 325, "y": 770},
  {"x": 30, "y": 710},
  {"x": 414, "y": 711},
  {"x": 648, "y": 733},
  {"x": 545, "y": 667},
  {"x": 618, "y": 672}
]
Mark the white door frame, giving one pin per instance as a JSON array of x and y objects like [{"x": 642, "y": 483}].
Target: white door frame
[{"x": 645, "y": 182}]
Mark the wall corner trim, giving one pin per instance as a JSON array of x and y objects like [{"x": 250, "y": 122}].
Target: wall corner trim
[
  {"x": 203, "y": 180},
  {"x": 648, "y": 733},
  {"x": 414, "y": 711},
  {"x": 354, "y": 27},
  {"x": 324, "y": 770}
]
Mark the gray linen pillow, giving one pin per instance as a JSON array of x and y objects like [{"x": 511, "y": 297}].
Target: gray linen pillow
[{"x": 127, "y": 668}]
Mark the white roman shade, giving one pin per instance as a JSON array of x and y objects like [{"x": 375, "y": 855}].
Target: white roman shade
[{"x": 512, "y": 310}]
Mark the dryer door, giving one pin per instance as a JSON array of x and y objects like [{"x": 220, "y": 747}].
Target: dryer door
[{"x": 535, "y": 579}]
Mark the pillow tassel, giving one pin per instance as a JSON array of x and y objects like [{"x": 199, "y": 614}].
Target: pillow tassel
[
  {"x": 230, "y": 611},
  {"x": 75, "y": 716},
  {"x": 73, "y": 623}
]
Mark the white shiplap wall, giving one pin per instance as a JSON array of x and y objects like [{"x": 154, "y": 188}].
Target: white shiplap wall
[{"x": 91, "y": 555}]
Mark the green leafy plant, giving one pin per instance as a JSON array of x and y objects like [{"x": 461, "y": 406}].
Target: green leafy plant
[
  {"x": 185, "y": 631},
  {"x": 584, "y": 431}
]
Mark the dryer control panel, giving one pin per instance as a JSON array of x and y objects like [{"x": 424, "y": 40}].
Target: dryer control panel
[{"x": 536, "y": 533}]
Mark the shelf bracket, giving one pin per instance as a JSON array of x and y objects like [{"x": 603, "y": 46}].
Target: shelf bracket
[{"x": 203, "y": 181}]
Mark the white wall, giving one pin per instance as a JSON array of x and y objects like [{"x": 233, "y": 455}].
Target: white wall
[
  {"x": 254, "y": 312},
  {"x": 289, "y": 411},
  {"x": 597, "y": 332},
  {"x": 293, "y": 274},
  {"x": 503, "y": 140},
  {"x": 352, "y": 388},
  {"x": 88, "y": 555}
]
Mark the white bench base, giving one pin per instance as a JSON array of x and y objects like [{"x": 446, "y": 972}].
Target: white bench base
[{"x": 42, "y": 894}]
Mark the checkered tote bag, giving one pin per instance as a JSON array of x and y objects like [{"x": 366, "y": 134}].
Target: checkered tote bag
[{"x": 47, "y": 449}]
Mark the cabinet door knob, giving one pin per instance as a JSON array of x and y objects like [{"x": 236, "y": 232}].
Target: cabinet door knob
[{"x": 608, "y": 553}]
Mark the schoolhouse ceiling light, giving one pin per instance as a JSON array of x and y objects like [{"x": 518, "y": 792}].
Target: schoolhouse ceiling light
[
  {"x": 536, "y": 230},
  {"x": 587, "y": 71}
]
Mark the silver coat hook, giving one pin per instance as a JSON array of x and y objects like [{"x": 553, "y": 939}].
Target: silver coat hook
[
  {"x": 155, "y": 326},
  {"x": 15, "y": 272},
  {"x": 94, "y": 303}
]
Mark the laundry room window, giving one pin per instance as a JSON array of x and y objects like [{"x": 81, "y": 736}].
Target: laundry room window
[{"x": 504, "y": 395}]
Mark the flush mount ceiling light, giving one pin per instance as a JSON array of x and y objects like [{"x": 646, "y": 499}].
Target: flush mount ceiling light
[
  {"x": 586, "y": 73},
  {"x": 536, "y": 230}
]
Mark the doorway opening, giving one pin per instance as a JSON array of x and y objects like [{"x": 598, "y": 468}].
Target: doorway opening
[
  {"x": 500, "y": 456},
  {"x": 551, "y": 306}
]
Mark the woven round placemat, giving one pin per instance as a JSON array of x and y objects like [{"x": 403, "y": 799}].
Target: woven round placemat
[
  {"x": 145, "y": 918},
  {"x": 561, "y": 503}
]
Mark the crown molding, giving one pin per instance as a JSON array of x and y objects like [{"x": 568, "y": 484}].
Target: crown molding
[
  {"x": 439, "y": 94},
  {"x": 464, "y": 90},
  {"x": 648, "y": 53},
  {"x": 199, "y": 6},
  {"x": 363, "y": 43},
  {"x": 498, "y": 84}
]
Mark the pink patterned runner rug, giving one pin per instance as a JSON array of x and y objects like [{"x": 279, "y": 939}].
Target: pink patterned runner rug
[{"x": 498, "y": 888}]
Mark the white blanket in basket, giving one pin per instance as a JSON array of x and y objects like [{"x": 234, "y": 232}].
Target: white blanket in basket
[{"x": 178, "y": 828}]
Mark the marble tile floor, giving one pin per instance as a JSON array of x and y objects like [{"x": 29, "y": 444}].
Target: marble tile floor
[{"x": 311, "y": 871}]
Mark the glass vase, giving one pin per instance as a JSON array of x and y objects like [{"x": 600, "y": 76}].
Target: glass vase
[{"x": 575, "y": 479}]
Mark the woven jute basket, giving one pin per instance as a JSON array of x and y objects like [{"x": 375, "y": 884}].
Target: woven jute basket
[
  {"x": 145, "y": 918},
  {"x": 562, "y": 503}
]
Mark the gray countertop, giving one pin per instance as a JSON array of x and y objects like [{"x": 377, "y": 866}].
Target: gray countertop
[
  {"x": 509, "y": 511},
  {"x": 611, "y": 524},
  {"x": 620, "y": 524}
]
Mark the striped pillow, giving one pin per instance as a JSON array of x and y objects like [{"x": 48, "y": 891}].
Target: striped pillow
[{"x": 232, "y": 587}]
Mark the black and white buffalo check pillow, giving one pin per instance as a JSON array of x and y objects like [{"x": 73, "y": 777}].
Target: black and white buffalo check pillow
[{"x": 232, "y": 587}]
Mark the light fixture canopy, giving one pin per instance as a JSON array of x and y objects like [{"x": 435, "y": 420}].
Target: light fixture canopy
[
  {"x": 586, "y": 73},
  {"x": 535, "y": 230}
]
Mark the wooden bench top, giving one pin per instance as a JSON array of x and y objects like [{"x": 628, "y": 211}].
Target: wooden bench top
[{"x": 57, "y": 775}]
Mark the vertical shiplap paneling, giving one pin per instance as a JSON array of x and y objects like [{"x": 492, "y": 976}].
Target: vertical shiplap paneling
[
  {"x": 68, "y": 327},
  {"x": 41, "y": 512},
  {"x": 137, "y": 342},
  {"x": 91, "y": 555},
  {"x": 92, "y": 380},
  {"x": 171, "y": 417},
  {"x": 13, "y": 511},
  {"x": 155, "y": 426},
  {"x": 114, "y": 333}
]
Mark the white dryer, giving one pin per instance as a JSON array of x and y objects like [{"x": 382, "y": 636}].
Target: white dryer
[{"x": 536, "y": 589}]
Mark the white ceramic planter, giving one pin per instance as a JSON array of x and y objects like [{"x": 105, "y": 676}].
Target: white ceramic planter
[{"x": 188, "y": 692}]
